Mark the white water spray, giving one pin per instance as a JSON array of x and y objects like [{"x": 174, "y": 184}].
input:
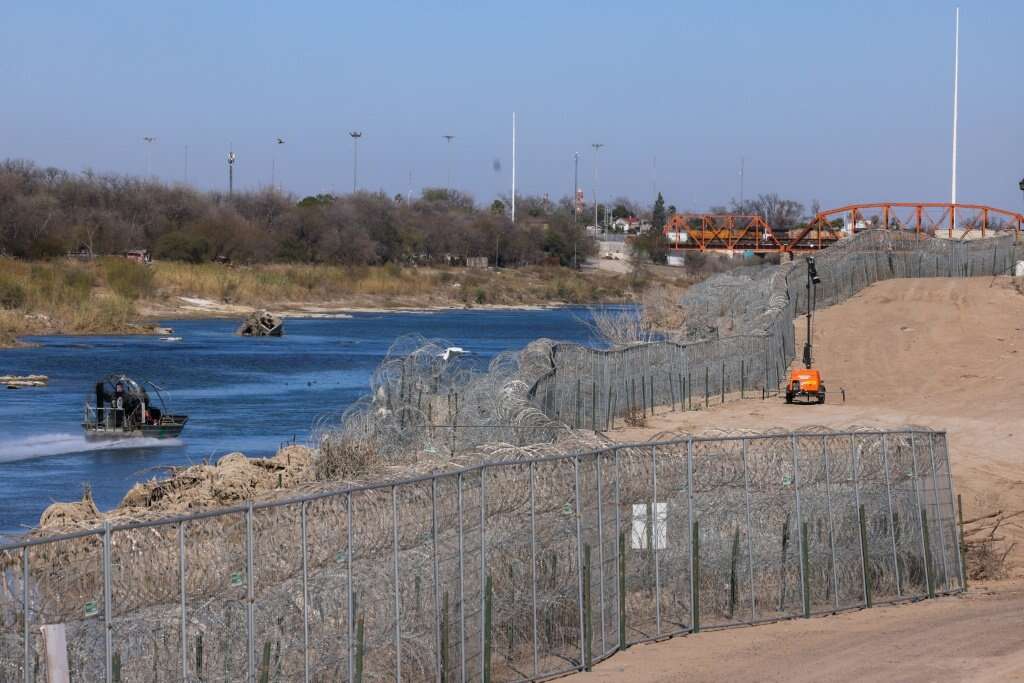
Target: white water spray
[{"x": 43, "y": 445}]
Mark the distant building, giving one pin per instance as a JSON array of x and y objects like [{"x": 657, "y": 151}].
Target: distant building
[
  {"x": 850, "y": 227},
  {"x": 631, "y": 225}
]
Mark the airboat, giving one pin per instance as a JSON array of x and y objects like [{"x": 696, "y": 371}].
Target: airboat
[{"x": 125, "y": 407}]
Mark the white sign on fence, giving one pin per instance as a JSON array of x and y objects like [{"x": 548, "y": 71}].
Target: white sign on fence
[{"x": 658, "y": 514}]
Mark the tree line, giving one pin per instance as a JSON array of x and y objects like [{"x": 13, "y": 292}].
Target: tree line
[{"x": 48, "y": 212}]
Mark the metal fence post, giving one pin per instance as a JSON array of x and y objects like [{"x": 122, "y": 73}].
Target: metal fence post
[
  {"x": 862, "y": 523},
  {"x": 398, "y": 596},
  {"x": 533, "y": 572},
  {"x": 750, "y": 528},
  {"x": 892, "y": 521},
  {"x": 654, "y": 539},
  {"x": 436, "y": 578},
  {"x": 24, "y": 606},
  {"x": 917, "y": 514},
  {"x": 955, "y": 505},
  {"x": 351, "y": 605},
  {"x": 722, "y": 387},
  {"x": 484, "y": 665},
  {"x": 938, "y": 515},
  {"x": 691, "y": 520},
  {"x": 707, "y": 384},
  {"x": 856, "y": 489},
  {"x": 579, "y": 558},
  {"x": 107, "y": 602},
  {"x": 600, "y": 550},
  {"x": 805, "y": 598},
  {"x": 620, "y": 556},
  {"x": 305, "y": 592},
  {"x": 462, "y": 584},
  {"x": 831, "y": 524},
  {"x": 182, "y": 568},
  {"x": 250, "y": 594}
]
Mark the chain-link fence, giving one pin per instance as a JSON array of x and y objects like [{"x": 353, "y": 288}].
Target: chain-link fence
[
  {"x": 742, "y": 326},
  {"x": 508, "y": 570}
]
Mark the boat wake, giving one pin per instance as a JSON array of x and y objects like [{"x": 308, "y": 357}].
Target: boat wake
[{"x": 62, "y": 444}]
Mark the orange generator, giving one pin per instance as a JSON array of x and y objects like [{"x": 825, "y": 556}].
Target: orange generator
[{"x": 805, "y": 383}]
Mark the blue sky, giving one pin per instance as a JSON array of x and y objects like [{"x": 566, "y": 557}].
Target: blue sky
[{"x": 835, "y": 101}]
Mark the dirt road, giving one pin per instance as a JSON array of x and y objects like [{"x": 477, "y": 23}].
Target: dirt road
[{"x": 942, "y": 353}]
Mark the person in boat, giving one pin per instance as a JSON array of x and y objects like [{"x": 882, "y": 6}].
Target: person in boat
[{"x": 117, "y": 402}]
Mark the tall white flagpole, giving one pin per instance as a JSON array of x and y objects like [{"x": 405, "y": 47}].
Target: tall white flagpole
[
  {"x": 513, "y": 167},
  {"x": 956, "y": 95}
]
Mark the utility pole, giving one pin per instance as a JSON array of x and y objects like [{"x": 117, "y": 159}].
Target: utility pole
[
  {"x": 273, "y": 162},
  {"x": 355, "y": 159},
  {"x": 149, "y": 155},
  {"x": 513, "y": 167},
  {"x": 654, "y": 181},
  {"x": 448, "y": 186},
  {"x": 597, "y": 146},
  {"x": 575, "y": 186},
  {"x": 956, "y": 94},
  {"x": 231, "y": 172},
  {"x": 742, "y": 161},
  {"x": 186, "y": 164}
]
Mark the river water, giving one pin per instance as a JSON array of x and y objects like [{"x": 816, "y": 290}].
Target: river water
[{"x": 241, "y": 394}]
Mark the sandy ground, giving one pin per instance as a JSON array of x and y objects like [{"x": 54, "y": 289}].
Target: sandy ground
[
  {"x": 975, "y": 637},
  {"x": 941, "y": 353}
]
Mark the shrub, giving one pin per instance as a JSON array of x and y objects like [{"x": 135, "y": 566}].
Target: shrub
[
  {"x": 129, "y": 279},
  {"x": 78, "y": 282},
  {"x": 182, "y": 246},
  {"x": 12, "y": 294}
]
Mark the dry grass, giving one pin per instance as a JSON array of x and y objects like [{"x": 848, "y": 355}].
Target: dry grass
[
  {"x": 985, "y": 548},
  {"x": 105, "y": 296},
  {"x": 60, "y": 296},
  {"x": 258, "y": 284}
]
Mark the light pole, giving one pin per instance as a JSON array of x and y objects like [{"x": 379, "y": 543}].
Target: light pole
[
  {"x": 355, "y": 159},
  {"x": 449, "y": 139},
  {"x": 273, "y": 162},
  {"x": 956, "y": 96},
  {"x": 597, "y": 146},
  {"x": 742, "y": 163},
  {"x": 513, "y": 167},
  {"x": 149, "y": 155},
  {"x": 575, "y": 186},
  {"x": 231, "y": 172}
]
